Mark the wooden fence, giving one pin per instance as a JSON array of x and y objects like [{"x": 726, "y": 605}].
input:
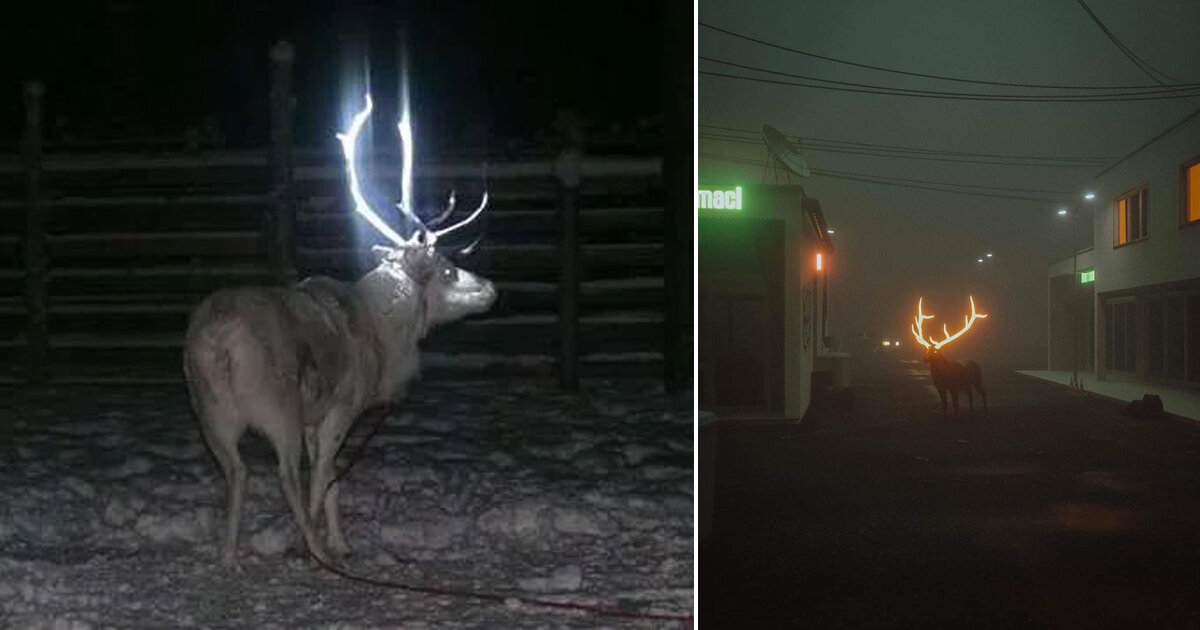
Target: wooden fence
[{"x": 102, "y": 256}]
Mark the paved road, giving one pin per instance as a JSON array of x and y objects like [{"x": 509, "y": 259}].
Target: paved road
[{"x": 1053, "y": 511}]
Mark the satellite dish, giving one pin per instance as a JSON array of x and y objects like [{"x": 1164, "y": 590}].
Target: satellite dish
[{"x": 783, "y": 155}]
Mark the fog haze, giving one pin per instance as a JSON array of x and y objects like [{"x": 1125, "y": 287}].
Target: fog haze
[{"x": 893, "y": 243}]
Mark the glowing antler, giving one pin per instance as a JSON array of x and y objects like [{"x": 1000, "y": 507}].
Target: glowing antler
[
  {"x": 916, "y": 328},
  {"x": 406, "y": 205},
  {"x": 422, "y": 235},
  {"x": 967, "y": 322},
  {"x": 348, "y": 140},
  {"x": 430, "y": 237},
  {"x": 441, "y": 218},
  {"x": 473, "y": 215}
]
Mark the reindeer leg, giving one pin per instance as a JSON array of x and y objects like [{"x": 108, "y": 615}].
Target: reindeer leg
[
  {"x": 330, "y": 436},
  {"x": 942, "y": 393},
  {"x": 954, "y": 396},
  {"x": 222, "y": 438},
  {"x": 287, "y": 439}
]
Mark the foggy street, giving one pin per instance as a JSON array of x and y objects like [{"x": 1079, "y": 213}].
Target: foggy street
[{"x": 1050, "y": 511}]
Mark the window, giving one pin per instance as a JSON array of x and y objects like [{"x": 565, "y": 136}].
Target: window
[
  {"x": 1176, "y": 335},
  {"x": 1189, "y": 192},
  {"x": 1119, "y": 336},
  {"x": 1167, "y": 338},
  {"x": 1193, "y": 338},
  {"x": 1130, "y": 223},
  {"x": 1156, "y": 339}
]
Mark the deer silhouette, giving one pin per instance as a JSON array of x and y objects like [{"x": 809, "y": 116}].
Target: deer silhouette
[{"x": 951, "y": 376}]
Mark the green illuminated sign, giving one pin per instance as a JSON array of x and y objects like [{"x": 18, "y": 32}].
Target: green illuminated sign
[
  {"x": 1087, "y": 276},
  {"x": 719, "y": 199}
]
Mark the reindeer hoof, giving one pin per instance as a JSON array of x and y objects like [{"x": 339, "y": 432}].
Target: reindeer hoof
[
  {"x": 229, "y": 563},
  {"x": 340, "y": 549}
]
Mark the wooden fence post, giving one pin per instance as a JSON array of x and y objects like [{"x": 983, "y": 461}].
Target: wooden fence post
[
  {"x": 281, "y": 222},
  {"x": 567, "y": 170},
  {"x": 36, "y": 342}
]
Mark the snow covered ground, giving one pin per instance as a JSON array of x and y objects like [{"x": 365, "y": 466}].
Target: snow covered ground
[{"x": 111, "y": 510}]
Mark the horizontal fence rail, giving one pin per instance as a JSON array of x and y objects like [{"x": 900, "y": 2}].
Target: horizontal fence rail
[
  {"x": 105, "y": 249},
  {"x": 133, "y": 244}
]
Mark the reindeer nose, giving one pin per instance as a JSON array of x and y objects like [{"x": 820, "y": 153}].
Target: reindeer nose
[{"x": 488, "y": 290}]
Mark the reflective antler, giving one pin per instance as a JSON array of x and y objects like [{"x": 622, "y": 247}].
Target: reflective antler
[
  {"x": 916, "y": 326},
  {"x": 428, "y": 236},
  {"x": 422, "y": 235},
  {"x": 348, "y": 140},
  {"x": 474, "y": 215},
  {"x": 441, "y": 218},
  {"x": 967, "y": 322},
  {"x": 406, "y": 205}
]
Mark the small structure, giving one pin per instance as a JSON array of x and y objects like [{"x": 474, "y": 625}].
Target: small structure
[{"x": 763, "y": 260}]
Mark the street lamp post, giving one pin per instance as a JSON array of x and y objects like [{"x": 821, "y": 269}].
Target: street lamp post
[{"x": 1076, "y": 382}]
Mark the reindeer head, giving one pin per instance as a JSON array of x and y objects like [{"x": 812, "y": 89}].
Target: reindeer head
[
  {"x": 428, "y": 277},
  {"x": 933, "y": 349},
  {"x": 415, "y": 272}
]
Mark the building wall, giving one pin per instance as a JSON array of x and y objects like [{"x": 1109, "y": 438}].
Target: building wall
[
  {"x": 1058, "y": 324},
  {"x": 800, "y": 243},
  {"x": 1071, "y": 304},
  {"x": 1166, "y": 265},
  {"x": 798, "y": 277},
  {"x": 1170, "y": 253},
  {"x": 741, "y": 315}
]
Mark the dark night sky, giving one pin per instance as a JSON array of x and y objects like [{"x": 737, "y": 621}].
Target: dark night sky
[
  {"x": 501, "y": 66},
  {"x": 894, "y": 243}
]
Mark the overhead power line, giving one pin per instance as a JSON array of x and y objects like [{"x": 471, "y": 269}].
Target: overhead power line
[
  {"x": 1036, "y": 191},
  {"x": 889, "y": 181},
  {"x": 936, "y": 76},
  {"x": 946, "y": 97},
  {"x": 754, "y": 137},
  {"x": 928, "y": 158},
  {"x": 865, "y": 88},
  {"x": 1142, "y": 65}
]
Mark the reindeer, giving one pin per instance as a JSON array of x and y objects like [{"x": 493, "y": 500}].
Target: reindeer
[
  {"x": 950, "y": 376},
  {"x": 299, "y": 364}
]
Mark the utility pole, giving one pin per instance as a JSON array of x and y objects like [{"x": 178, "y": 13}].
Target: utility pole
[{"x": 1074, "y": 311}]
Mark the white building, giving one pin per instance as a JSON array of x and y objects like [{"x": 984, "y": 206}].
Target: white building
[
  {"x": 1137, "y": 290},
  {"x": 763, "y": 254}
]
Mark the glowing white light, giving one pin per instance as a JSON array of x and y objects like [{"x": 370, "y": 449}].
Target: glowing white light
[
  {"x": 482, "y": 205},
  {"x": 829, "y": 231},
  {"x": 348, "y": 140},
  {"x": 989, "y": 255},
  {"x": 1062, "y": 212},
  {"x": 422, "y": 235},
  {"x": 445, "y": 213},
  {"x": 1090, "y": 196},
  {"x": 406, "y": 150},
  {"x": 980, "y": 260},
  {"x": 887, "y": 343}
]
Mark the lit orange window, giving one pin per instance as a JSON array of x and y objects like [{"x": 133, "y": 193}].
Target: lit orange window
[
  {"x": 1121, "y": 240},
  {"x": 1191, "y": 196},
  {"x": 1130, "y": 217}
]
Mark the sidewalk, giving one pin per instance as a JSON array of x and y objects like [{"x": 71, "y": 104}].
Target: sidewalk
[{"x": 1179, "y": 402}]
